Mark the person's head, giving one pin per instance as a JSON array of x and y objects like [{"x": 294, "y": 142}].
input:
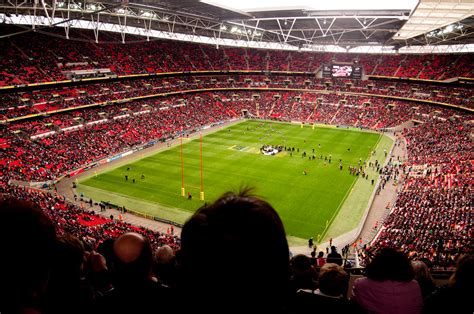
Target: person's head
[
  {"x": 333, "y": 249},
  {"x": 321, "y": 254},
  {"x": 164, "y": 255},
  {"x": 313, "y": 254},
  {"x": 66, "y": 272},
  {"x": 69, "y": 257},
  {"x": 332, "y": 280},
  {"x": 463, "y": 277},
  {"x": 133, "y": 258},
  {"x": 390, "y": 264},
  {"x": 27, "y": 239},
  {"x": 300, "y": 263},
  {"x": 236, "y": 248},
  {"x": 421, "y": 271},
  {"x": 106, "y": 249},
  {"x": 164, "y": 264}
]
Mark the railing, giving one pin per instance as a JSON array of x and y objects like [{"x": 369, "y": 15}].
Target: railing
[{"x": 137, "y": 213}]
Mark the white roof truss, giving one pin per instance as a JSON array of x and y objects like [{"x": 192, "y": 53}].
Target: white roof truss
[{"x": 433, "y": 14}]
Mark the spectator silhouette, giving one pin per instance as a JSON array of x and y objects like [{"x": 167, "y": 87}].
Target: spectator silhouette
[
  {"x": 456, "y": 297},
  {"x": 390, "y": 287},
  {"x": 320, "y": 260},
  {"x": 164, "y": 265},
  {"x": 423, "y": 277},
  {"x": 134, "y": 284},
  {"x": 28, "y": 243},
  {"x": 303, "y": 276},
  {"x": 330, "y": 297},
  {"x": 235, "y": 257},
  {"x": 334, "y": 257},
  {"x": 67, "y": 285}
]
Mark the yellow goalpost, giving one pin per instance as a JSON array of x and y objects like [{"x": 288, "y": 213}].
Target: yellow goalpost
[{"x": 201, "y": 187}]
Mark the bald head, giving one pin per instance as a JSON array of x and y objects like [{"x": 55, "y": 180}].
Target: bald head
[
  {"x": 133, "y": 257},
  {"x": 128, "y": 247},
  {"x": 164, "y": 255}
]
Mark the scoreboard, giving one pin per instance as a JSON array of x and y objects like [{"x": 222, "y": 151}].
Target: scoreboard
[{"x": 342, "y": 71}]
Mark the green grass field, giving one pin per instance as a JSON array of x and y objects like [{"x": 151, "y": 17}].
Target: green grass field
[{"x": 231, "y": 159}]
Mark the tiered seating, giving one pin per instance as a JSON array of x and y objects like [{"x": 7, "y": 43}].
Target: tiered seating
[
  {"x": 143, "y": 121},
  {"x": 278, "y": 60},
  {"x": 431, "y": 218},
  {"x": 369, "y": 62},
  {"x": 69, "y": 219},
  {"x": 25, "y": 63},
  {"x": 437, "y": 67},
  {"x": 257, "y": 59},
  {"x": 25, "y": 103},
  {"x": 388, "y": 65},
  {"x": 436, "y": 197},
  {"x": 237, "y": 58},
  {"x": 411, "y": 66}
]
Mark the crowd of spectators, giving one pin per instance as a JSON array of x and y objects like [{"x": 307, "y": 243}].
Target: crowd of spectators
[
  {"x": 89, "y": 227},
  {"x": 59, "y": 142},
  {"x": 432, "y": 216},
  {"x": 233, "y": 257},
  {"x": 27, "y": 61},
  {"x": 21, "y": 104},
  {"x": 438, "y": 169},
  {"x": 115, "y": 131},
  {"x": 430, "y": 220}
]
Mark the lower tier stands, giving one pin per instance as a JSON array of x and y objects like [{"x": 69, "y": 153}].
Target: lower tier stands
[
  {"x": 432, "y": 217},
  {"x": 66, "y": 141},
  {"x": 91, "y": 228}
]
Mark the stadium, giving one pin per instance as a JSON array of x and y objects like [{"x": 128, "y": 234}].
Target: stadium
[{"x": 317, "y": 148}]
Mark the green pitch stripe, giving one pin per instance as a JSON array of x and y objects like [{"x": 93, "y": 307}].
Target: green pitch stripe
[{"x": 351, "y": 211}]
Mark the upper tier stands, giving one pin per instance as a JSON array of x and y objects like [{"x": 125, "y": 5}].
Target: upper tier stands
[{"x": 36, "y": 57}]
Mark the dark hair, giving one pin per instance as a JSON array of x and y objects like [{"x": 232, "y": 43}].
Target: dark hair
[
  {"x": 64, "y": 285},
  {"x": 300, "y": 262},
  {"x": 27, "y": 238},
  {"x": 69, "y": 254},
  {"x": 390, "y": 264},
  {"x": 463, "y": 277},
  {"x": 236, "y": 248},
  {"x": 106, "y": 249}
]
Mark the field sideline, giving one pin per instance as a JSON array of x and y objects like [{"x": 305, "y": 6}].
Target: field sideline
[{"x": 317, "y": 203}]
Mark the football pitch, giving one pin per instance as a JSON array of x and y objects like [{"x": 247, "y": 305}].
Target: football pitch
[{"x": 308, "y": 204}]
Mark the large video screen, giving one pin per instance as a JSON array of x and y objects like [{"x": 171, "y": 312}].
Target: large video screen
[{"x": 341, "y": 70}]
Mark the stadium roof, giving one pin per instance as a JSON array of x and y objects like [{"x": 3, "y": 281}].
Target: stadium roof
[{"x": 336, "y": 25}]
